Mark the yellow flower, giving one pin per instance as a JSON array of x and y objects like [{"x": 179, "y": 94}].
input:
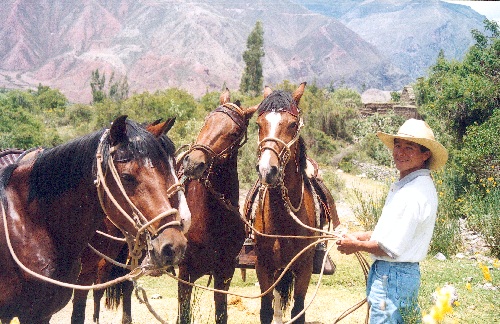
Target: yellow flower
[
  {"x": 441, "y": 307},
  {"x": 468, "y": 286},
  {"x": 486, "y": 271},
  {"x": 490, "y": 179},
  {"x": 487, "y": 190},
  {"x": 496, "y": 263}
]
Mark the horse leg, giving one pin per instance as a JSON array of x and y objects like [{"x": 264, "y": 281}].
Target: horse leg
[
  {"x": 265, "y": 277},
  {"x": 79, "y": 305},
  {"x": 86, "y": 277},
  {"x": 298, "y": 306},
  {"x": 184, "y": 298},
  {"x": 299, "y": 293},
  {"x": 128, "y": 288},
  {"x": 221, "y": 282},
  {"x": 97, "y": 294},
  {"x": 278, "y": 308}
]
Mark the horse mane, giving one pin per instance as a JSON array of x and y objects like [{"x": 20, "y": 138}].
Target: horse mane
[
  {"x": 278, "y": 100},
  {"x": 61, "y": 168}
]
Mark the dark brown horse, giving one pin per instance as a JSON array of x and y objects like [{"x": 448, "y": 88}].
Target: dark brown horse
[
  {"x": 285, "y": 200},
  {"x": 217, "y": 231},
  {"x": 53, "y": 202},
  {"x": 111, "y": 243}
]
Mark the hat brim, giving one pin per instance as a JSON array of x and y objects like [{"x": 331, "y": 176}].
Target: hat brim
[{"x": 439, "y": 154}]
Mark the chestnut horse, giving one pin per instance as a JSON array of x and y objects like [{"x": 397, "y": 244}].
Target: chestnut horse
[
  {"x": 285, "y": 200},
  {"x": 107, "y": 241},
  {"x": 53, "y": 202},
  {"x": 212, "y": 190}
]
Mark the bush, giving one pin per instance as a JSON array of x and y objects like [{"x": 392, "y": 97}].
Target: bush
[
  {"x": 446, "y": 238},
  {"x": 367, "y": 208},
  {"x": 481, "y": 208}
]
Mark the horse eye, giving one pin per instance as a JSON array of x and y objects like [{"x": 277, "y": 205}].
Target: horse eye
[
  {"x": 292, "y": 125},
  {"x": 129, "y": 179}
]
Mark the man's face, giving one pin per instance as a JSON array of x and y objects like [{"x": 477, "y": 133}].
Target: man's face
[{"x": 408, "y": 156}]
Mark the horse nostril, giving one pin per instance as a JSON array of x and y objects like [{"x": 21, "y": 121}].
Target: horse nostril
[
  {"x": 200, "y": 167},
  {"x": 271, "y": 175},
  {"x": 167, "y": 251}
]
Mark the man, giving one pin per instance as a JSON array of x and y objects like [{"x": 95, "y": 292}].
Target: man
[{"x": 403, "y": 233}]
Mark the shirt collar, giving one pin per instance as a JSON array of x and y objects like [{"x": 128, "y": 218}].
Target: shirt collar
[{"x": 412, "y": 176}]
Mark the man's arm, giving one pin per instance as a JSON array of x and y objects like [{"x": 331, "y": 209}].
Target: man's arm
[{"x": 359, "y": 241}]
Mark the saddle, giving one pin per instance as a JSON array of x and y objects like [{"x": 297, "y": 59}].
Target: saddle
[{"x": 327, "y": 216}]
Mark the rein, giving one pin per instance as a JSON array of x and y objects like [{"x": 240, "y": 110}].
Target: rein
[{"x": 142, "y": 226}]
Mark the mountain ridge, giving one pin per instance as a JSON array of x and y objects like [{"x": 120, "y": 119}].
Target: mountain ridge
[{"x": 193, "y": 45}]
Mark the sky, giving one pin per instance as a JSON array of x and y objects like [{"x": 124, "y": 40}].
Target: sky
[{"x": 491, "y": 9}]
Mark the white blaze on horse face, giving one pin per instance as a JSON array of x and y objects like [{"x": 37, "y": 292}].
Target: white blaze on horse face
[
  {"x": 184, "y": 211},
  {"x": 274, "y": 119}
]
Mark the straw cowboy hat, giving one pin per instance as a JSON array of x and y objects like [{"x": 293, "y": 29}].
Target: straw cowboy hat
[{"x": 419, "y": 132}]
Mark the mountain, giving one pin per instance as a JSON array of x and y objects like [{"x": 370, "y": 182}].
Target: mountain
[
  {"x": 409, "y": 33},
  {"x": 198, "y": 45}
]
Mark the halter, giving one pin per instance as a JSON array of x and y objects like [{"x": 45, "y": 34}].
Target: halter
[
  {"x": 238, "y": 116},
  {"x": 283, "y": 159},
  {"x": 285, "y": 153},
  {"x": 138, "y": 220}
]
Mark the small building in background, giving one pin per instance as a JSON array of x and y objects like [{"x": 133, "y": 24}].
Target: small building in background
[{"x": 380, "y": 102}]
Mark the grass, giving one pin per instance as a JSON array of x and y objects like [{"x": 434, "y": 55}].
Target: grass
[{"x": 478, "y": 303}]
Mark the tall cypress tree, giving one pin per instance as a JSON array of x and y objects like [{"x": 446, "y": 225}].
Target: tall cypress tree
[{"x": 252, "y": 79}]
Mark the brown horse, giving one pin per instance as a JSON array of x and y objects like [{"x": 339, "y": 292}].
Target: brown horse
[
  {"x": 107, "y": 241},
  {"x": 53, "y": 202},
  {"x": 212, "y": 189},
  {"x": 285, "y": 200}
]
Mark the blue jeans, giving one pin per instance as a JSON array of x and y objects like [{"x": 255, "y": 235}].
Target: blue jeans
[{"x": 392, "y": 291}]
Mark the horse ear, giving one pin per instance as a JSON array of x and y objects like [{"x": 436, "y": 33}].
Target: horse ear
[
  {"x": 156, "y": 122},
  {"x": 297, "y": 94},
  {"x": 118, "y": 131},
  {"x": 158, "y": 129},
  {"x": 250, "y": 111},
  {"x": 267, "y": 91},
  {"x": 225, "y": 97}
]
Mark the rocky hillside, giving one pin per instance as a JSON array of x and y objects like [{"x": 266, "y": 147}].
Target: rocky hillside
[
  {"x": 197, "y": 45},
  {"x": 409, "y": 33}
]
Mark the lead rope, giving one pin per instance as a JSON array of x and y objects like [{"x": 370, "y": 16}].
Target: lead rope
[{"x": 133, "y": 275}]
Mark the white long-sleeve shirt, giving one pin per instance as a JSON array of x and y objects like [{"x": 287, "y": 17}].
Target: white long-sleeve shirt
[{"x": 405, "y": 228}]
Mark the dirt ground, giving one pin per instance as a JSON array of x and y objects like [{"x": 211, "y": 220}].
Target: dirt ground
[{"x": 326, "y": 305}]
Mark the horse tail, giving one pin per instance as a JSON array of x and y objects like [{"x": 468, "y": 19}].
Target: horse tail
[
  {"x": 285, "y": 289},
  {"x": 115, "y": 292}
]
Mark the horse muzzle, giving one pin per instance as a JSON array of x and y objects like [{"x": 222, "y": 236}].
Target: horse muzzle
[
  {"x": 166, "y": 249},
  {"x": 194, "y": 164}
]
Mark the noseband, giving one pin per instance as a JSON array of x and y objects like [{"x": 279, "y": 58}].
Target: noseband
[{"x": 138, "y": 220}]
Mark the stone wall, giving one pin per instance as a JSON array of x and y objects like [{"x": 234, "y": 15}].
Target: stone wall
[{"x": 407, "y": 111}]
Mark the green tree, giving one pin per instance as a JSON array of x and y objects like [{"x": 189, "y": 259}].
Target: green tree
[
  {"x": 460, "y": 94},
  {"x": 117, "y": 90},
  {"x": 97, "y": 83},
  {"x": 252, "y": 78}
]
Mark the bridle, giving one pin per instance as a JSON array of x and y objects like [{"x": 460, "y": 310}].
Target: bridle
[
  {"x": 238, "y": 116},
  {"x": 144, "y": 227},
  {"x": 283, "y": 156}
]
